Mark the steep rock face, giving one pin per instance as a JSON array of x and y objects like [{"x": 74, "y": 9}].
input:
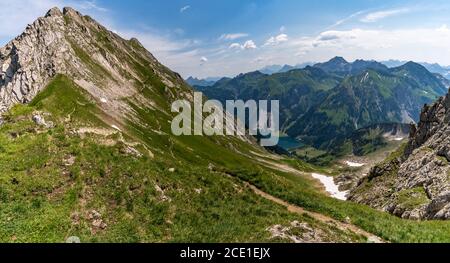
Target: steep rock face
[
  {"x": 27, "y": 62},
  {"x": 108, "y": 67},
  {"x": 415, "y": 184}
]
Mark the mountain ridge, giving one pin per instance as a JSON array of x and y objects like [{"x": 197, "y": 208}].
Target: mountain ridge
[
  {"x": 358, "y": 94},
  {"x": 202, "y": 82}
]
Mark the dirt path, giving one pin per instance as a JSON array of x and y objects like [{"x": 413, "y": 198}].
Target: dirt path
[
  {"x": 289, "y": 169},
  {"x": 322, "y": 218},
  {"x": 97, "y": 131},
  {"x": 281, "y": 166},
  {"x": 267, "y": 155}
]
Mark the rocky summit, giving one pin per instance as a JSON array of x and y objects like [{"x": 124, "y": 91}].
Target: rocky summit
[{"x": 69, "y": 43}]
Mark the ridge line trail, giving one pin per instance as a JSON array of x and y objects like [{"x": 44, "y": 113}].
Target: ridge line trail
[{"x": 319, "y": 217}]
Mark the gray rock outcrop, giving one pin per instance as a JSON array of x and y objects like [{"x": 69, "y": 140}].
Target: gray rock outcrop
[
  {"x": 30, "y": 60},
  {"x": 416, "y": 183},
  {"x": 98, "y": 60}
]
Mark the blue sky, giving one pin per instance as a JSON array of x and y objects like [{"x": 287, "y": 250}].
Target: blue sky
[{"x": 224, "y": 38}]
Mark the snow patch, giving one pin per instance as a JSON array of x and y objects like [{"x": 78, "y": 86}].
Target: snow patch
[
  {"x": 330, "y": 186},
  {"x": 115, "y": 127},
  {"x": 353, "y": 164},
  {"x": 366, "y": 76}
]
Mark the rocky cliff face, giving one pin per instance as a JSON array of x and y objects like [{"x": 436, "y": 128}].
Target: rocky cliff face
[
  {"x": 27, "y": 62},
  {"x": 108, "y": 67},
  {"x": 414, "y": 183}
]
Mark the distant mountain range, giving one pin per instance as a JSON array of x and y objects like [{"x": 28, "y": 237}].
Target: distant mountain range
[
  {"x": 366, "y": 98},
  {"x": 271, "y": 69},
  {"x": 341, "y": 67},
  {"x": 202, "y": 82},
  {"x": 432, "y": 67},
  {"x": 325, "y": 103},
  {"x": 356, "y": 66}
]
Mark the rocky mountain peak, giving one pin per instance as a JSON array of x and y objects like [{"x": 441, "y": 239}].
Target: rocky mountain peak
[
  {"x": 336, "y": 64},
  {"x": 118, "y": 75},
  {"x": 109, "y": 67},
  {"x": 55, "y": 11},
  {"x": 432, "y": 118},
  {"x": 69, "y": 11},
  {"x": 28, "y": 61},
  {"x": 339, "y": 60},
  {"x": 412, "y": 67},
  {"x": 136, "y": 42}
]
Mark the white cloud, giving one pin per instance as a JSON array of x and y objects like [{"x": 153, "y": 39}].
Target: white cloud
[
  {"x": 402, "y": 44},
  {"x": 233, "y": 36},
  {"x": 336, "y": 35},
  {"x": 235, "y": 46},
  {"x": 88, "y": 5},
  {"x": 259, "y": 60},
  {"x": 378, "y": 44},
  {"x": 275, "y": 40},
  {"x": 156, "y": 43},
  {"x": 346, "y": 19},
  {"x": 180, "y": 55},
  {"x": 249, "y": 44},
  {"x": 184, "y": 8},
  {"x": 376, "y": 16},
  {"x": 444, "y": 28}
]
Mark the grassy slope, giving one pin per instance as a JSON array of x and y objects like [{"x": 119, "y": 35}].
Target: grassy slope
[
  {"x": 389, "y": 227},
  {"x": 40, "y": 196},
  {"x": 43, "y": 198},
  {"x": 297, "y": 190}
]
